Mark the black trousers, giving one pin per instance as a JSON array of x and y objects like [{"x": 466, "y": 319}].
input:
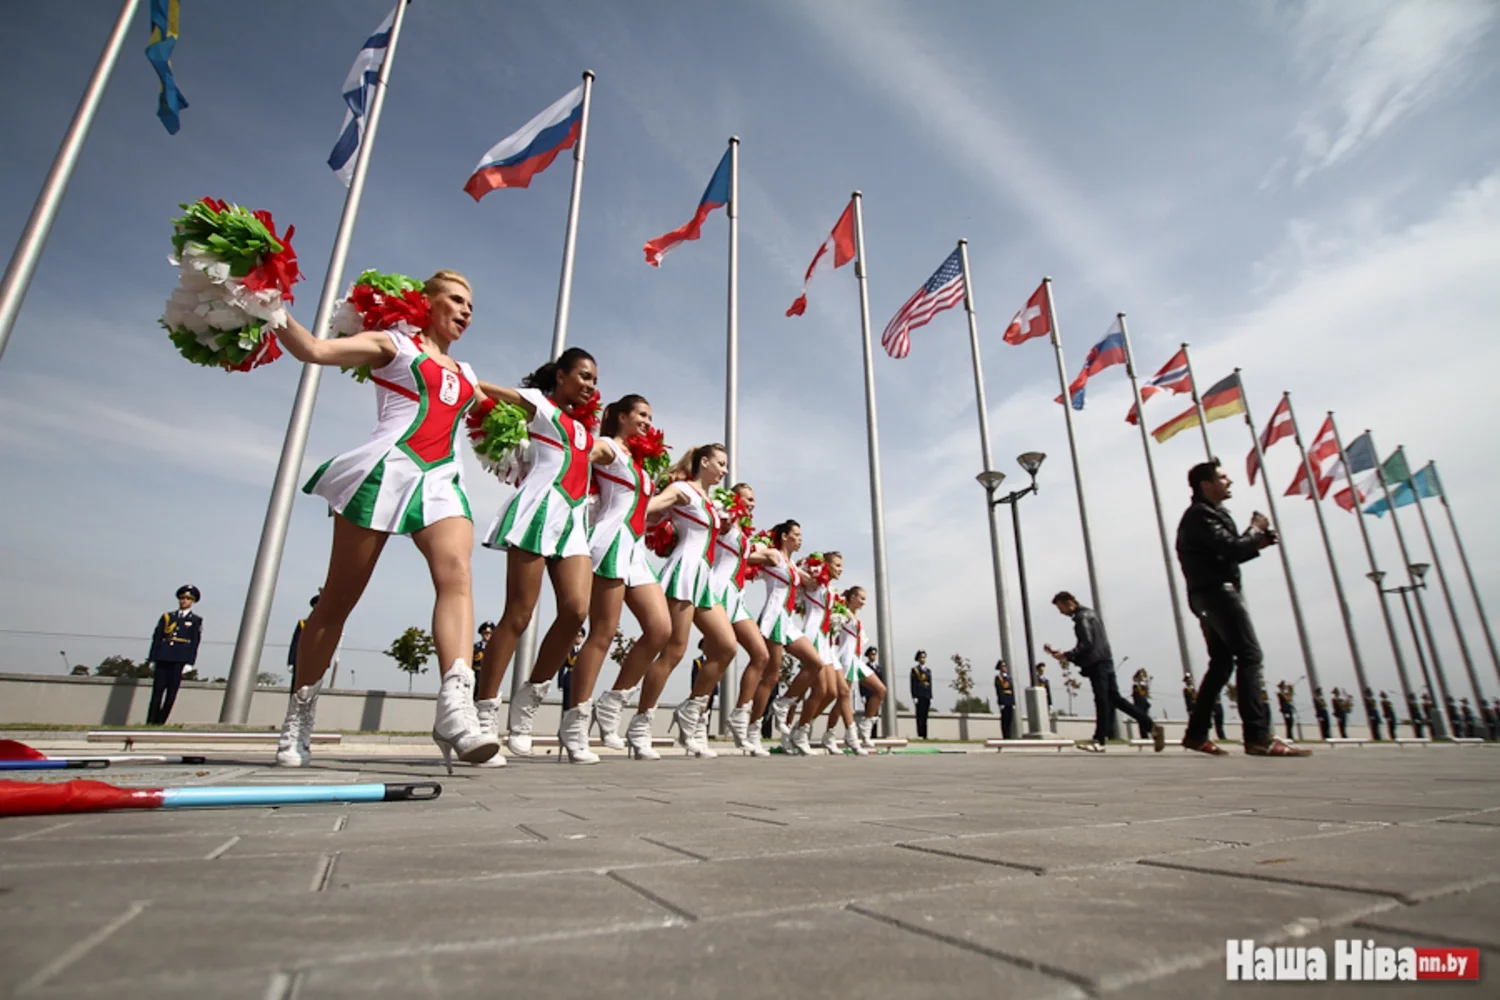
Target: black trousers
[
  {"x": 1233, "y": 651},
  {"x": 1324, "y": 726},
  {"x": 1288, "y": 718},
  {"x": 1107, "y": 699},
  {"x": 166, "y": 678},
  {"x": 1008, "y": 721},
  {"x": 924, "y": 705},
  {"x": 565, "y": 686},
  {"x": 1390, "y": 724},
  {"x": 1374, "y": 720},
  {"x": 1343, "y": 721}
]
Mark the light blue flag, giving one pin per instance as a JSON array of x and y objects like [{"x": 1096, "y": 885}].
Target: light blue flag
[{"x": 1427, "y": 485}]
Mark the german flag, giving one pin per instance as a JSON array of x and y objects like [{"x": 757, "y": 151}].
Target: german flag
[{"x": 1223, "y": 399}]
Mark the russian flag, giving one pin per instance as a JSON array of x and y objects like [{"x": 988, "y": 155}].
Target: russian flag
[
  {"x": 515, "y": 159},
  {"x": 1108, "y": 352},
  {"x": 717, "y": 196}
]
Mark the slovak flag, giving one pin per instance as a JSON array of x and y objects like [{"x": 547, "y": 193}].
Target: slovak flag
[
  {"x": 1279, "y": 427},
  {"x": 1173, "y": 377},
  {"x": 1323, "y": 456},
  {"x": 836, "y": 251},
  {"x": 715, "y": 196},
  {"x": 1031, "y": 321},
  {"x": 1108, "y": 352},
  {"x": 514, "y": 160}
]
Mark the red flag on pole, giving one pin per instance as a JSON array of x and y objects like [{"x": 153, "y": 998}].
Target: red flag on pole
[
  {"x": 1031, "y": 320},
  {"x": 1279, "y": 427},
  {"x": 836, "y": 251},
  {"x": 1323, "y": 456}
]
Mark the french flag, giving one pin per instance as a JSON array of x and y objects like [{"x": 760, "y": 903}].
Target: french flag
[
  {"x": 515, "y": 159},
  {"x": 717, "y": 196},
  {"x": 1108, "y": 352}
]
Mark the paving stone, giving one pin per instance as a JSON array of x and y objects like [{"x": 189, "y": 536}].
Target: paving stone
[
  {"x": 1359, "y": 812},
  {"x": 390, "y": 866},
  {"x": 1471, "y": 917},
  {"x": 1249, "y": 829},
  {"x": 57, "y": 851},
  {"x": 107, "y": 882},
  {"x": 1060, "y": 850}
]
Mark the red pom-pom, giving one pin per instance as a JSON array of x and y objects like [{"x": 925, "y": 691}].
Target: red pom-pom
[
  {"x": 265, "y": 352},
  {"x": 587, "y": 413},
  {"x": 649, "y": 444},
  {"x": 661, "y": 537},
  {"x": 277, "y": 270}
]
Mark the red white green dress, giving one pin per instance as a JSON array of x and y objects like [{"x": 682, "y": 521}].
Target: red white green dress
[
  {"x": 408, "y": 474},
  {"x": 548, "y": 516},
  {"x": 617, "y": 540},
  {"x": 778, "y": 618},
  {"x": 727, "y": 576},
  {"x": 851, "y": 651},
  {"x": 816, "y": 625},
  {"x": 685, "y": 577}
]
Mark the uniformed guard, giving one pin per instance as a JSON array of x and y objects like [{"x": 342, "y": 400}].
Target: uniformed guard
[
  {"x": 174, "y": 647},
  {"x": 1005, "y": 700},
  {"x": 486, "y": 629},
  {"x": 1389, "y": 711},
  {"x": 1285, "y": 702},
  {"x": 921, "y": 691},
  {"x": 1140, "y": 691}
]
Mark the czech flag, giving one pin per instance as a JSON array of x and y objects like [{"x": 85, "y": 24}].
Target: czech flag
[
  {"x": 515, "y": 159},
  {"x": 1108, "y": 352},
  {"x": 716, "y": 196}
]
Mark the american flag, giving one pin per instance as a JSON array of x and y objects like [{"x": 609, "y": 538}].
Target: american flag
[{"x": 944, "y": 290}]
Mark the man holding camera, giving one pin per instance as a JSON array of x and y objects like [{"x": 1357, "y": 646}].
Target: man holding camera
[{"x": 1210, "y": 549}]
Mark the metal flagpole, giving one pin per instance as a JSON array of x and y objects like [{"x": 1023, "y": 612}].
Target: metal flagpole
[
  {"x": 1333, "y": 567},
  {"x": 1286, "y": 562},
  {"x": 39, "y": 226},
  {"x": 525, "y": 653},
  {"x": 1375, "y": 574},
  {"x": 1001, "y": 602},
  {"x": 252, "y": 635},
  {"x": 1208, "y": 449},
  {"x": 1463, "y": 557},
  {"x": 1439, "y": 723},
  {"x": 883, "y": 629},
  {"x": 1437, "y": 562},
  {"x": 1161, "y": 523},
  {"x": 1083, "y": 512},
  {"x": 728, "y": 684}
]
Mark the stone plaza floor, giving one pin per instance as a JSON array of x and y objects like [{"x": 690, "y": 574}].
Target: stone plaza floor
[{"x": 905, "y": 875}]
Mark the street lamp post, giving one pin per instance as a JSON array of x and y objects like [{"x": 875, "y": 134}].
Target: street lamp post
[
  {"x": 1037, "y": 714},
  {"x": 1418, "y": 571}
]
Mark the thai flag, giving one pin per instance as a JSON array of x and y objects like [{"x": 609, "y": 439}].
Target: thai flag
[
  {"x": 1173, "y": 377},
  {"x": 716, "y": 196},
  {"x": 514, "y": 160},
  {"x": 1108, "y": 352},
  {"x": 359, "y": 88}
]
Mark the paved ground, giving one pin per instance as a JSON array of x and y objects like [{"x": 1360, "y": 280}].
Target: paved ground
[{"x": 966, "y": 875}]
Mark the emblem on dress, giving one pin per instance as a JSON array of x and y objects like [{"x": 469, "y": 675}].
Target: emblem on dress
[
  {"x": 448, "y": 392},
  {"x": 580, "y": 436}
]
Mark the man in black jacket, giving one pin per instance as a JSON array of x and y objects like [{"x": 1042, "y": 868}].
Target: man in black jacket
[
  {"x": 1005, "y": 700},
  {"x": 921, "y": 691},
  {"x": 174, "y": 648},
  {"x": 1210, "y": 549},
  {"x": 1096, "y": 662}
]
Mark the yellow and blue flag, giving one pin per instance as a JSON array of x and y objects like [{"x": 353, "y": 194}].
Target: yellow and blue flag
[{"x": 164, "y": 14}]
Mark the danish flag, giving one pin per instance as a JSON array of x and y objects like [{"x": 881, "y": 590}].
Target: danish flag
[
  {"x": 1323, "y": 456},
  {"x": 1030, "y": 321},
  {"x": 1279, "y": 427}
]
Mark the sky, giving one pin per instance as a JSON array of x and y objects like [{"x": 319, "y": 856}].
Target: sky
[{"x": 1308, "y": 191}]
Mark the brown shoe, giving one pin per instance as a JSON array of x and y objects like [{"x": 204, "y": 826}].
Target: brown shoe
[
  {"x": 1158, "y": 738},
  {"x": 1276, "y": 748},
  {"x": 1204, "y": 746}
]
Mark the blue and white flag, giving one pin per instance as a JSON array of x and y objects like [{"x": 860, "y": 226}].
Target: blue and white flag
[{"x": 359, "y": 88}]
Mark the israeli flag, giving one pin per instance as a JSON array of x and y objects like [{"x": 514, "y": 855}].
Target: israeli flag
[{"x": 359, "y": 88}]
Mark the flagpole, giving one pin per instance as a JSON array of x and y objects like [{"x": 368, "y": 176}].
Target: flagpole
[
  {"x": 1437, "y": 562},
  {"x": 1333, "y": 567},
  {"x": 728, "y": 684},
  {"x": 883, "y": 629},
  {"x": 525, "y": 653},
  {"x": 33, "y": 239},
  {"x": 1083, "y": 513},
  {"x": 1208, "y": 449},
  {"x": 1002, "y": 603},
  {"x": 1286, "y": 562},
  {"x": 1463, "y": 557},
  {"x": 1161, "y": 523},
  {"x": 1439, "y": 724},
  {"x": 1375, "y": 575}
]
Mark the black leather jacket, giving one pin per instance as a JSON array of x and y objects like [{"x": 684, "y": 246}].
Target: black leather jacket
[{"x": 1210, "y": 548}]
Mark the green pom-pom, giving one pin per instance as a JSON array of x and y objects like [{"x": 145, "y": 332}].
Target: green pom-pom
[
  {"x": 391, "y": 284},
  {"x": 503, "y": 429},
  {"x": 233, "y": 235}
]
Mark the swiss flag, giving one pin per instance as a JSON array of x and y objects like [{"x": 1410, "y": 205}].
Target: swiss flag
[
  {"x": 1323, "y": 456},
  {"x": 1279, "y": 427},
  {"x": 837, "y": 250},
  {"x": 1031, "y": 321}
]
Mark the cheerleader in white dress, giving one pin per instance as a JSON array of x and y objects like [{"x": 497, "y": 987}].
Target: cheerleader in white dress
[
  {"x": 685, "y": 579},
  {"x": 853, "y": 670},
  {"x": 734, "y": 555},
  {"x": 406, "y": 479},
  {"x": 544, "y": 527},
  {"x": 818, "y": 573},
  {"x": 780, "y": 625}
]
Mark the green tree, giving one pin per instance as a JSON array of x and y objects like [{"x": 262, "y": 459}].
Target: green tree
[
  {"x": 411, "y": 650},
  {"x": 122, "y": 666},
  {"x": 1071, "y": 683},
  {"x": 788, "y": 670},
  {"x": 266, "y": 679},
  {"x": 79, "y": 670},
  {"x": 963, "y": 683},
  {"x": 620, "y": 647}
]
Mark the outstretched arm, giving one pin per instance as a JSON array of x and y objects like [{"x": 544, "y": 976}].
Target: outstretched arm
[
  {"x": 504, "y": 394},
  {"x": 371, "y": 347},
  {"x": 665, "y": 501}
]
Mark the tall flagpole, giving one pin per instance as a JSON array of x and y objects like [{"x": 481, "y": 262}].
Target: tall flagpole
[
  {"x": 883, "y": 628},
  {"x": 525, "y": 653},
  {"x": 1437, "y": 562},
  {"x": 1484, "y": 619},
  {"x": 1439, "y": 723},
  {"x": 728, "y": 684},
  {"x": 1208, "y": 449},
  {"x": 1333, "y": 566},
  {"x": 257, "y": 614},
  {"x": 33, "y": 239},
  {"x": 1286, "y": 562},
  {"x": 1001, "y": 602},
  {"x": 1375, "y": 575},
  {"x": 1083, "y": 511},
  {"x": 1161, "y": 523}
]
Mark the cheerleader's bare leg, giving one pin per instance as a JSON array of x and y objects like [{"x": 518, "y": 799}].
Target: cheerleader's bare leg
[
  {"x": 571, "y": 579},
  {"x": 744, "y": 721},
  {"x": 649, "y": 606},
  {"x": 523, "y": 585},
  {"x": 808, "y": 679}
]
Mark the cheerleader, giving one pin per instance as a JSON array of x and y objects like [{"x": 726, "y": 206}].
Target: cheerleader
[
  {"x": 734, "y": 555},
  {"x": 685, "y": 578},
  {"x": 818, "y": 574},
  {"x": 782, "y": 632},
  {"x": 544, "y": 527},
  {"x": 405, "y": 480},
  {"x": 854, "y": 671}
]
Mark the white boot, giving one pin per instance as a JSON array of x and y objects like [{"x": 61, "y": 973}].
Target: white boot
[
  {"x": 456, "y": 729},
  {"x": 866, "y": 727},
  {"x": 739, "y": 726},
  {"x": 574, "y": 734},
  {"x": 294, "y": 749},
  {"x": 830, "y": 742},
  {"x": 779, "y": 711},
  {"x": 607, "y": 710},
  {"x": 638, "y": 737},
  {"x": 488, "y": 711},
  {"x": 786, "y": 743},
  {"x": 802, "y": 740},
  {"x": 702, "y": 732},
  {"x": 522, "y": 711},
  {"x": 686, "y": 719},
  {"x": 752, "y": 743},
  {"x": 851, "y": 740}
]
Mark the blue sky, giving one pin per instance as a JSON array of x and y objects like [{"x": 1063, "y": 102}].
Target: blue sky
[{"x": 1310, "y": 191}]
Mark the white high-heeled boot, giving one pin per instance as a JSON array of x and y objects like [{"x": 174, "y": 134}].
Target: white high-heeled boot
[
  {"x": 866, "y": 727},
  {"x": 608, "y": 708},
  {"x": 851, "y": 740},
  {"x": 638, "y": 737},
  {"x": 456, "y": 729},
  {"x": 780, "y": 708},
  {"x": 739, "y": 727},
  {"x": 574, "y": 734},
  {"x": 522, "y": 713},
  {"x": 830, "y": 742},
  {"x": 753, "y": 745},
  {"x": 294, "y": 749},
  {"x": 802, "y": 739},
  {"x": 488, "y": 712},
  {"x": 686, "y": 718}
]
